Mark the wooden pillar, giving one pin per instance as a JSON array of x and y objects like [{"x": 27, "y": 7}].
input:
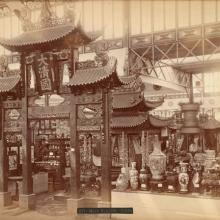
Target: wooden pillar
[
  {"x": 106, "y": 150},
  {"x": 26, "y": 197},
  {"x": 5, "y": 196},
  {"x": 123, "y": 147},
  {"x": 147, "y": 148},
  {"x": 143, "y": 148},
  {"x": 75, "y": 201},
  {"x": 74, "y": 152}
]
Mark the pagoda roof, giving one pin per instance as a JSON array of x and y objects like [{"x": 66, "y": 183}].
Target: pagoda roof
[
  {"x": 8, "y": 83},
  {"x": 91, "y": 74},
  {"x": 126, "y": 100},
  {"x": 134, "y": 99},
  {"x": 210, "y": 124},
  {"x": 34, "y": 39},
  {"x": 128, "y": 121},
  {"x": 160, "y": 122},
  {"x": 128, "y": 79}
]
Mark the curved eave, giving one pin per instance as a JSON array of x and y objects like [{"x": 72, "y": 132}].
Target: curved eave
[
  {"x": 8, "y": 83},
  {"x": 94, "y": 76},
  {"x": 45, "y": 37},
  {"x": 153, "y": 104},
  {"x": 123, "y": 101},
  {"x": 128, "y": 79},
  {"x": 175, "y": 126},
  {"x": 159, "y": 122},
  {"x": 211, "y": 124},
  {"x": 128, "y": 121}
]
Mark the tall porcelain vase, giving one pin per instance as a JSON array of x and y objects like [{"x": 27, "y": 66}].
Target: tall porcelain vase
[
  {"x": 133, "y": 173},
  {"x": 157, "y": 161},
  {"x": 183, "y": 178}
]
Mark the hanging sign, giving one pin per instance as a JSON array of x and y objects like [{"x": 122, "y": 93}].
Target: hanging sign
[{"x": 45, "y": 72}]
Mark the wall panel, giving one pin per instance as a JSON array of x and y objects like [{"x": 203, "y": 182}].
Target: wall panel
[
  {"x": 196, "y": 12},
  {"x": 135, "y": 20},
  {"x": 183, "y": 13},
  {"x": 158, "y": 18},
  {"x": 209, "y": 11},
  {"x": 170, "y": 14},
  {"x": 108, "y": 19},
  {"x": 146, "y": 16},
  {"x": 118, "y": 18}
]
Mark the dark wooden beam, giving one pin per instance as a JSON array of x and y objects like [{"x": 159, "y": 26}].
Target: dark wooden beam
[
  {"x": 26, "y": 149},
  {"x": 106, "y": 159},
  {"x": 74, "y": 153},
  {"x": 3, "y": 154}
]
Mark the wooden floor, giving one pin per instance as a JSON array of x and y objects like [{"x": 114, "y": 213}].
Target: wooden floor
[{"x": 167, "y": 206}]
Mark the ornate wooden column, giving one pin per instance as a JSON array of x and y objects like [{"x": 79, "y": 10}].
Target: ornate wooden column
[
  {"x": 27, "y": 198},
  {"x": 106, "y": 157},
  {"x": 143, "y": 148},
  {"x": 147, "y": 148},
  {"x": 74, "y": 153},
  {"x": 5, "y": 196},
  {"x": 75, "y": 201}
]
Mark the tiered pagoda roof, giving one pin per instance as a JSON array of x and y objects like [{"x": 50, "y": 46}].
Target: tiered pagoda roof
[
  {"x": 130, "y": 108},
  {"x": 159, "y": 122},
  {"x": 49, "y": 33},
  {"x": 126, "y": 121},
  {"x": 7, "y": 83},
  {"x": 210, "y": 124},
  {"x": 91, "y": 73},
  {"x": 8, "y": 78},
  {"x": 134, "y": 101},
  {"x": 49, "y": 37}
]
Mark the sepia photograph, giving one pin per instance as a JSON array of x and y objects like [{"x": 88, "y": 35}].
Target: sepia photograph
[{"x": 110, "y": 109}]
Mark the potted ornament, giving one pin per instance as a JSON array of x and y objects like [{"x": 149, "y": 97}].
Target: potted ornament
[
  {"x": 144, "y": 178},
  {"x": 172, "y": 181},
  {"x": 157, "y": 161},
  {"x": 183, "y": 178},
  {"x": 122, "y": 180},
  {"x": 133, "y": 173}
]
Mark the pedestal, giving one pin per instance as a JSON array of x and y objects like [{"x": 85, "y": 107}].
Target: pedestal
[
  {"x": 158, "y": 185},
  {"x": 5, "y": 199},
  {"x": 27, "y": 201},
  {"x": 102, "y": 204},
  {"x": 73, "y": 204}
]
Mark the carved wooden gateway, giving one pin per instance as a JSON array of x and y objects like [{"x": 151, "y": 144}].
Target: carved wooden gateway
[{"x": 49, "y": 54}]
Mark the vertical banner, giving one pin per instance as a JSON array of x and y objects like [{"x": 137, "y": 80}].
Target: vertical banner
[{"x": 45, "y": 72}]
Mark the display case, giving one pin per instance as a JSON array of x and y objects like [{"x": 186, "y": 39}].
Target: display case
[
  {"x": 13, "y": 145},
  {"x": 52, "y": 158}
]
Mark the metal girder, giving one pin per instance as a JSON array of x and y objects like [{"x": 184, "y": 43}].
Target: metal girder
[{"x": 158, "y": 73}]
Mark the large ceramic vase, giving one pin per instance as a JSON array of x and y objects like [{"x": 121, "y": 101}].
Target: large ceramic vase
[
  {"x": 122, "y": 180},
  {"x": 157, "y": 161},
  {"x": 133, "y": 173},
  {"x": 144, "y": 178},
  {"x": 172, "y": 181},
  {"x": 183, "y": 178}
]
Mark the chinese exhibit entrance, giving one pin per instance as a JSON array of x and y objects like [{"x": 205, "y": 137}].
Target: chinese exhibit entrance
[{"x": 64, "y": 108}]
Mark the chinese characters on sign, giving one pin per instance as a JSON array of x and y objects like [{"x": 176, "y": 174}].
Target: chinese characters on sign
[{"x": 44, "y": 69}]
